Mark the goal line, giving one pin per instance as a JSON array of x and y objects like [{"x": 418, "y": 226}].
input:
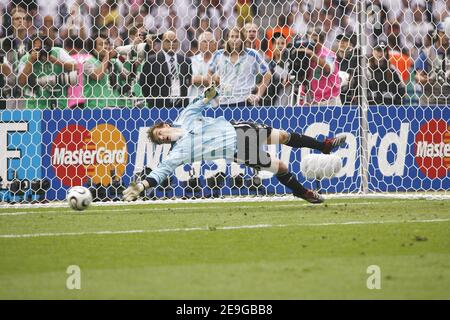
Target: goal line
[{"x": 437, "y": 196}]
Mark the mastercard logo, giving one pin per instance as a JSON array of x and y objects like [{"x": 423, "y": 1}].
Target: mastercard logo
[
  {"x": 432, "y": 149},
  {"x": 79, "y": 154}
]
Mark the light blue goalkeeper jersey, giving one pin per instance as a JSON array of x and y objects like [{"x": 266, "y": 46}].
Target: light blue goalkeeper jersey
[{"x": 205, "y": 138}]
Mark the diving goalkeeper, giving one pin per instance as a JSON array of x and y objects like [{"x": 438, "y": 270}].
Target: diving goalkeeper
[{"x": 195, "y": 137}]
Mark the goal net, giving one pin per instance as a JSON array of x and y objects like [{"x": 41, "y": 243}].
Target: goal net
[{"x": 82, "y": 81}]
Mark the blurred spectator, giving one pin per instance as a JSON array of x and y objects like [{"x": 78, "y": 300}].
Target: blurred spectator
[
  {"x": 441, "y": 10},
  {"x": 129, "y": 8},
  {"x": 46, "y": 70},
  {"x": 302, "y": 16},
  {"x": 134, "y": 63},
  {"x": 75, "y": 47},
  {"x": 136, "y": 20},
  {"x": 385, "y": 85},
  {"x": 108, "y": 21},
  {"x": 121, "y": 81},
  {"x": 101, "y": 73},
  {"x": 134, "y": 34},
  {"x": 243, "y": 12},
  {"x": 397, "y": 9},
  {"x": 348, "y": 58},
  {"x": 6, "y": 83},
  {"x": 347, "y": 14},
  {"x": 3, "y": 5},
  {"x": 432, "y": 70},
  {"x": 236, "y": 69},
  {"x": 403, "y": 64},
  {"x": 33, "y": 11},
  {"x": 134, "y": 60},
  {"x": 323, "y": 84},
  {"x": 279, "y": 89},
  {"x": 22, "y": 30},
  {"x": 401, "y": 61},
  {"x": 29, "y": 6},
  {"x": 166, "y": 76},
  {"x": 415, "y": 27},
  {"x": 399, "y": 56},
  {"x": 111, "y": 32},
  {"x": 194, "y": 50},
  {"x": 327, "y": 27},
  {"x": 79, "y": 21},
  {"x": 50, "y": 31},
  {"x": 202, "y": 24},
  {"x": 57, "y": 9},
  {"x": 251, "y": 36},
  {"x": 252, "y": 42},
  {"x": 282, "y": 28},
  {"x": 201, "y": 63},
  {"x": 394, "y": 37},
  {"x": 403, "y": 24},
  {"x": 377, "y": 16},
  {"x": 108, "y": 15},
  {"x": 18, "y": 43},
  {"x": 218, "y": 15},
  {"x": 174, "y": 15}
]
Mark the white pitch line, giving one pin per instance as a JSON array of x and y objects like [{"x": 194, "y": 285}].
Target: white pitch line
[
  {"x": 299, "y": 204},
  {"x": 257, "y": 226},
  {"x": 432, "y": 196},
  {"x": 19, "y": 213}
]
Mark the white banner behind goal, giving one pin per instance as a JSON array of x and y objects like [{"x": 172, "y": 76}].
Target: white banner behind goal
[{"x": 54, "y": 150}]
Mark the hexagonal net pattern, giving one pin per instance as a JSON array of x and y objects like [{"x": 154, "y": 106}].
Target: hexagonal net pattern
[{"x": 83, "y": 81}]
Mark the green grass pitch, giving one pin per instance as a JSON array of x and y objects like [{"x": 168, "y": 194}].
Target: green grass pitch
[{"x": 229, "y": 250}]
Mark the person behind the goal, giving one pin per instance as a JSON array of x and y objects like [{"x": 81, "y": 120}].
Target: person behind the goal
[{"x": 195, "y": 137}]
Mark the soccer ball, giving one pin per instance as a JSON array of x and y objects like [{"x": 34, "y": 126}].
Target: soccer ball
[
  {"x": 79, "y": 198},
  {"x": 319, "y": 166}
]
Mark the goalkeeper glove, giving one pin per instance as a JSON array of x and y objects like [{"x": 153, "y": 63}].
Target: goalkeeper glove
[
  {"x": 133, "y": 191},
  {"x": 211, "y": 95}
]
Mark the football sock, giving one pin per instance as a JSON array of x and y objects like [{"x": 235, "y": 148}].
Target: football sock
[
  {"x": 297, "y": 140},
  {"x": 291, "y": 182}
]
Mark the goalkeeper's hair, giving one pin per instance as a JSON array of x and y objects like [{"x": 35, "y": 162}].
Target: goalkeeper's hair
[{"x": 151, "y": 131}]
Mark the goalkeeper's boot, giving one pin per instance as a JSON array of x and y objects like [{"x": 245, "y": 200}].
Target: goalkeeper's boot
[
  {"x": 211, "y": 95},
  {"x": 311, "y": 196},
  {"x": 332, "y": 143}
]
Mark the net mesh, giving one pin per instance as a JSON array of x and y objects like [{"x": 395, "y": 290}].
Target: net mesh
[{"x": 81, "y": 81}]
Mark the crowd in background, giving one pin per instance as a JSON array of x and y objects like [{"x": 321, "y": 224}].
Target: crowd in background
[{"x": 161, "y": 53}]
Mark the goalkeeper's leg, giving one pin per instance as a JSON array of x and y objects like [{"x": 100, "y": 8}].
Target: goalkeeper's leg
[
  {"x": 297, "y": 140},
  {"x": 289, "y": 180}
]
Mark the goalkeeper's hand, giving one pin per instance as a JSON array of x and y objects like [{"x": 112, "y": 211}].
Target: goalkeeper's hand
[{"x": 133, "y": 191}]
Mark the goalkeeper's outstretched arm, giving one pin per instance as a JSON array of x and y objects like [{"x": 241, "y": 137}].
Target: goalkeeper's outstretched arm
[
  {"x": 210, "y": 98},
  {"x": 175, "y": 158},
  {"x": 181, "y": 153},
  {"x": 135, "y": 189}
]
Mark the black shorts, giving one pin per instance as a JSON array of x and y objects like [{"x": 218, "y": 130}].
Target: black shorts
[{"x": 251, "y": 137}]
